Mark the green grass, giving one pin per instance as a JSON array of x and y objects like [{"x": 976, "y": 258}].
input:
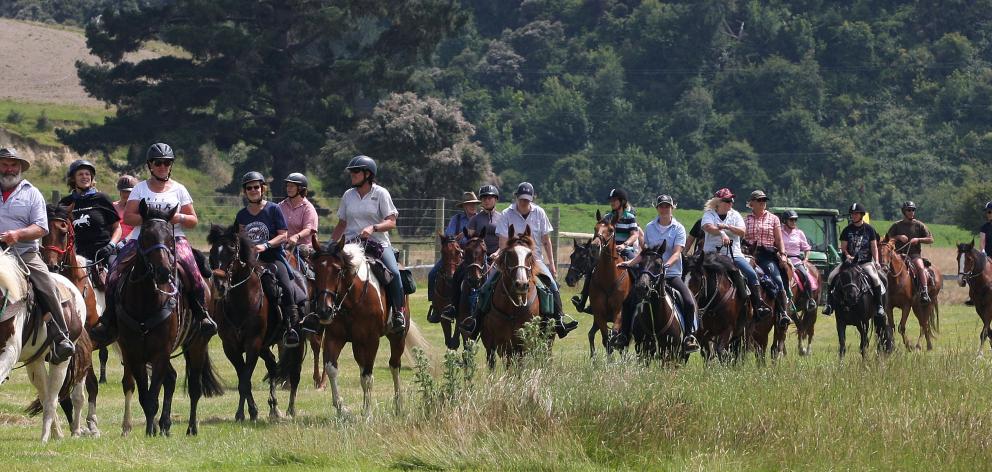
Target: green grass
[
  {"x": 59, "y": 116},
  {"x": 907, "y": 411}
]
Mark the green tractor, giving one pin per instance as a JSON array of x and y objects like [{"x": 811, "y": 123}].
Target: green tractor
[{"x": 820, "y": 226}]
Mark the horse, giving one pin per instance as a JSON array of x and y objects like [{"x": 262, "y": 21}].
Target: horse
[
  {"x": 902, "y": 294},
  {"x": 581, "y": 264},
  {"x": 153, "y": 322},
  {"x": 353, "y": 305},
  {"x": 758, "y": 331},
  {"x": 475, "y": 268},
  {"x": 58, "y": 251},
  {"x": 247, "y": 324},
  {"x": 975, "y": 271},
  {"x": 805, "y": 303},
  {"x": 451, "y": 258},
  {"x": 514, "y": 300},
  {"x": 851, "y": 297},
  {"x": 24, "y": 337},
  {"x": 656, "y": 327},
  {"x": 722, "y": 311},
  {"x": 609, "y": 285},
  {"x": 301, "y": 261}
]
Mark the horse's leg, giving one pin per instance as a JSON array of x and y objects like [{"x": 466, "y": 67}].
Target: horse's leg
[
  {"x": 294, "y": 379},
  {"x": 365, "y": 357},
  {"x": 128, "y": 385},
  {"x": 234, "y": 355},
  {"x": 104, "y": 355},
  {"x": 92, "y": 392},
  {"x": 491, "y": 358},
  {"x": 450, "y": 338},
  {"x": 201, "y": 379},
  {"x": 160, "y": 369},
  {"x": 272, "y": 367},
  {"x": 863, "y": 331},
  {"x": 78, "y": 397},
  {"x": 592, "y": 340},
  {"x": 841, "y": 337},
  {"x": 39, "y": 378},
  {"x": 902, "y": 326},
  {"x": 319, "y": 375},
  {"x": 924, "y": 320},
  {"x": 332, "y": 350},
  {"x": 169, "y": 388},
  {"x": 140, "y": 374},
  {"x": 396, "y": 346}
]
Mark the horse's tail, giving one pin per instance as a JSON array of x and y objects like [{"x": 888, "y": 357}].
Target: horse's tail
[
  {"x": 936, "y": 317},
  {"x": 289, "y": 360},
  {"x": 210, "y": 384},
  {"x": 414, "y": 338}
]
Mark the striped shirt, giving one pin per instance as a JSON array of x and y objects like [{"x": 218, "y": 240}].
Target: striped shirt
[
  {"x": 626, "y": 225},
  {"x": 761, "y": 230}
]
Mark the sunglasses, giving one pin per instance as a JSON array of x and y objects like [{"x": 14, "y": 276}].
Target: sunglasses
[
  {"x": 162, "y": 162},
  {"x": 910, "y": 210},
  {"x": 355, "y": 171},
  {"x": 727, "y": 200},
  {"x": 249, "y": 188}
]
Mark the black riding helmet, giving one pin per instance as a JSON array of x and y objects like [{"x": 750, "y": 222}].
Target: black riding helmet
[
  {"x": 988, "y": 205},
  {"x": 298, "y": 179},
  {"x": 617, "y": 193},
  {"x": 80, "y": 164},
  {"x": 857, "y": 208},
  {"x": 363, "y": 163},
  {"x": 159, "y": 151},
  {"x": 791, "y": 215},
  {"x": 908, "y": 205},
  {"x": 252, "y": 177},
  {"x": 489, "y": 191}
]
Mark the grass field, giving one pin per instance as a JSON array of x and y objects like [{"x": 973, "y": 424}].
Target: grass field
[{"x": 911, "y": 410}]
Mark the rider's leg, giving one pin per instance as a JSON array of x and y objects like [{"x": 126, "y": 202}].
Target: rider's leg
[
  {"x": 397, "y": 322},
  {"x": 828, "y": 309},
  {"x": 454, "y": 294},
  {"x": 923, "y": 278},
  {"x": 760, "y": 309},
  {"x": 435, "y": 316},
  {"x": 195, "y": 286},
  {"x": 807, "y": 284},
  {"x": 580, "y": 300},
  {"x": 769, "y": 263},
  {"x": 689, "y": 319},
  {"x": 62, "y": 347},
  {"x": 561, "y": 326},
  {"x": 473, "y": 322},
  {"x": 878, "y": 285},
  {"x": 620, "y": 335},
  {"x": 105, "y": 330},
  {"x": 288, "y": 305}
]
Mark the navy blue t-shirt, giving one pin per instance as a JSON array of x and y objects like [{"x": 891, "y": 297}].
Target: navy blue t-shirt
[
  {"x": 987, "y": 229},
  {"x": 263, "y": 226}
]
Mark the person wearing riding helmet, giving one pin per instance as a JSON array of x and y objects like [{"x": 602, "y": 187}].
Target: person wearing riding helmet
[
  {"x": 264, "y": 224},
  {"x": 367, "y": 213},
  {"x": 694, "y": 240},
  {"x": 909, "y": 234},
  {"x": 626, "y": 236},
  {"x": 523, "y": 214},
  {"x": 125, "y": 184},
  {"x": 483, "y": 223},
  {"x": 724, "y": 228},
  {"x": 95, "y": 222},
  {"x": 457, "y": 226},
  {"x": 301, "y": 216},
  {"x": 665, "y": 228},
  {"x": 797, "y": 248},
  {"x": 763, "y": 230},
  {"x": 161, "y": 192},
  {"x": 859, "y": 245},
  {"x": 985, "y": 232}
]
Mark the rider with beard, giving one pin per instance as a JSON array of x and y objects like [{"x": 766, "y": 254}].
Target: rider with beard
[
  {"x": 160, "y": 191},
  {"x": 264, "y": 224},
  {"x": 23, "y": 221},
  {"x": 95, "y": 222}
]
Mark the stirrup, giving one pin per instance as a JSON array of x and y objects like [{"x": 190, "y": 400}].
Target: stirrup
[
  {"x": 469, "y": 327},
  {"x": 690, "y": 344},
  {"x": 448, "y": 313},
  {"x": 62, "y": 349},
  {"x": 287, "y": 342},
  {"x": 397, "y": 322}
]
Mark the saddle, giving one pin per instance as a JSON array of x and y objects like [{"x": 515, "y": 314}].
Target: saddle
[
  {"x": 544, "y": 296},
  {"x": 385, "y": 276}
]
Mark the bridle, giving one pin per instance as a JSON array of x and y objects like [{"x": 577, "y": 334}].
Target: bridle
[
  {"x": 335, "y": 307},
  {"x": 150, "y": 269},
  {"x": 485, "y": 267}
]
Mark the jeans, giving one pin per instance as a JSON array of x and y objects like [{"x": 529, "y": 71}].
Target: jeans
[
  {"x": 688, "y": 304},
  {"x": 395, "y": 287},
  {"x": 431, "y": 277},
  {"x": 769, "y": 263},
  {"x": 745, "y": 266}
]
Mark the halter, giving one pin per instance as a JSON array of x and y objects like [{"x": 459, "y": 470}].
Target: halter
[
  {"x": 485, "y": 267},
  {"x": 70, "y": 247}
]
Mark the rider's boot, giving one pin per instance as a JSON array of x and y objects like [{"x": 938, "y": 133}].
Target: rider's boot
[
  {"x": 783, "y": 312},
  {"x": 291, "y": 319},
  {"x": 397, "y": 321},
  {"x": 760, "y": 309},
  {"x": 580, "y": 300},
  {"x": 62, "y": 347},
  {"x": 562, "y": 327},
  {"x": 689, "y": 343},
  {"x": 207, "y": 326},
  {"x": 924, "y": 294},
  {"x": 879, "y": 298},
  {"x": 827, "y": 308},
  {"x": 105, "y": 331}
]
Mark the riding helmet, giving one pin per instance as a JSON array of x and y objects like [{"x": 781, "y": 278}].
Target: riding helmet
[
  {"x": 791, "y": 215},
  {"x": 525, "y": 191},
  {"x": 988, "y": 205},
  {"x": 298, "y": 179},
  {"x": 159, "y": 151},
  {"x": 363, "y": 163},
  {"x": 857, "y": 208},
  {"x": 617, "y": 193},
  {"x": 80, "y": 164},
  {"x": 252, "y": 177},
  {"x": 489, "y": 191},
  {"x": 908, "y": 205},
  {"x": 126, "y": 183},
  {"x": 662, "y": 199}
]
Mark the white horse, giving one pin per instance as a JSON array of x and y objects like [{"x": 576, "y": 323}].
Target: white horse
[{"x": 15, "y": 320}]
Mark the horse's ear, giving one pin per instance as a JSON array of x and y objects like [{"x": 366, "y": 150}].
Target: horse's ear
[
  {"x": 213, "y": 237},
  {"x": 599, "y": 216},
  {"x": 440, "y": 236},
  {"x": 512, "y": 231},
  {"x": 172, "y": 212},
  {"x": 482, "y": 233},
  {"x": 143, "y": 208},
  {"x": 575, "y": 243},
  {"x": 527, "y": 231},
  {"x": 971, "y": 245},
  {"x": 465, "y": 232},
  {"x": 662, "y": 246},
  {"x": 340, "y": 243}
]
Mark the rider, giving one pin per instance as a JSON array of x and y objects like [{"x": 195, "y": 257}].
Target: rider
[
  {"x": 23, "y": 221},
  {"x": 724, "y": 228},
  {"x": 484, "y": 222},
  {"x": 162, "y": 192},
  {"x": 520, "y": 215},
  {"x": 859, "y": 245},
  {"x": 797, "y": 247},
  {"x": 984, "y": 240},
  {"x": 95, "y": 221},
  {"x": 300, "y": 215},
  {"x": 764, "y": 230},
  {"x": 626, "y": 236},
  {"x": 367, "y": 212},
  {"x": 125, "y": 184},
  {"x": 665, "y": 228},
  {"x": 910, "y": 233},
  {"x": 455, "y": 229},
  {"x": 694, "y": 240},
  {"x": 265, "y": 226}
]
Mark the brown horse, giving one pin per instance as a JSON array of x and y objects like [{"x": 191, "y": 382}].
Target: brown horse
[
  {"x": 353, "y": 303},
  {"x": 805, "y": 303},
  {"x": 451, "y": 258},
  {"x": 902, "y": 293},
  {"x": 475, "y": 268},
  {"x": 758, "y": 332},
  {"x": 722, "y": 311},
  {"x": 154, "y": 321},
  {"x": 247, "y": 324},
  {"x": 609, "y": 285},
  {"x": 300, "y": 259},
  {"x": 975, "y": 271},
  {"x": 514, "y": 301}
]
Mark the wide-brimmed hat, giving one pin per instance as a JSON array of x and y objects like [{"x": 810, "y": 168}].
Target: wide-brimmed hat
[
  {"x": 468, "y": 197},
  {"x": 9, "y": 152},
  {"x": 758, "y": 195}
]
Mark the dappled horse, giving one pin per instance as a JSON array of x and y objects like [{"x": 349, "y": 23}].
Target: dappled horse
[
  {"x": 975, "y": 271},
  {"x": 722, "y": 311},
  {"x": 656, "y": 327},
  {"x": 852, "y": 299},
  {"x": 609, "y": 285},
  {"x": 514, "y": 300},
  {"x": 58, "y": 251},
  {"x": 24, "y": 339},
  {"x": 248, "y": 325},
  {"x": 581, "y": 265},
  {"x": 475, "y": 268},
  {"x": 903, "y": 294},
  {"x": 451, "y": 258},
  {"x": 353, "y": 304},
  {"x": 154, "y": 321},
  {"x": 806, "y": 305}
]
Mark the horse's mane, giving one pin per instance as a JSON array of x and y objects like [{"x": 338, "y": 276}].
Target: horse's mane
[
  {"x": 10, "y": 277},
  {"x": 718, "y": 263},
  {"x": 352, "y": 256},
  {"x": 980, "y": 260}
]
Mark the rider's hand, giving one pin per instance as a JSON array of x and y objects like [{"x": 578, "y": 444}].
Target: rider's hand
[
  {"x": 726, "y": 240},
  {"x": 367, "y": 232},
  {"x": 848, "y": 258},
  {"x": 260, "y": 248},
  {"x": 902, "y": 238},
  {"x": 294, "y": 240},
  {"x": 10, "y": 237}
]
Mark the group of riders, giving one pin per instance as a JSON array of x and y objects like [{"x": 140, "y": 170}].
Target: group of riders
[{"x": 105, "y": 232}]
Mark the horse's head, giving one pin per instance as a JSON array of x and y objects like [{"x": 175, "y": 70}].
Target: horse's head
[
  {"x": 850, "y": 285},
  {"x": 602, "y": 236},
  {"x": 580, "y": 264},
  {"x": 57, "y": 244},
  {"x": 451, "y": 253},
  {"x": 651, "y": 280},
  {"x": 517, "y": 262},
  {"x": 887, "y": 257},
  {"x": 230, "y": 254},
  {"x": 971, "y": 262},
  {"x": 474, "y": 261},
  {"x": 335, "y": 267},
  {"x": 156, "y": 243}
]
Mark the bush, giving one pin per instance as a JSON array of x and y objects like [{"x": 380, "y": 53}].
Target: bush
[
  {"x": 15, "y": 117},
  {"x": 43, "y": 124}
]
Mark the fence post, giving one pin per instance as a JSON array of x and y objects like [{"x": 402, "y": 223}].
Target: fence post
[
  {"x": 56, "y": 196},
  {"x": 556, "y": 233},
  {"x": 438, "y": 225}
]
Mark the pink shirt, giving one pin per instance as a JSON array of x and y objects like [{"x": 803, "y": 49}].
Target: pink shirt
[
  {"x": 302, "y": 216},
  {"x": 125, "y": 229},
  {"x": 795, "y": 243}
]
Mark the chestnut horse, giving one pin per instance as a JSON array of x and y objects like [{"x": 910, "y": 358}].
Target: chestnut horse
[
  {"x": 975, "y": 271},
  {"x": 581, "y": 264},
  {"x": 514, "y": 300},
  {"x": 656, "y": 328},
  {"x": 247, "y": 324},
  {"x": 759, "y": 331},
  {"x": 805, "y": 304},
  {"x": 609, "y": 285},
  {"x": 451, "y": 258},
  {"x": 722, "y": 311},
  {"x": 475, "y": 268},
  {"x": 353, "y": 305},
  {"x": 902, "y": 294}
]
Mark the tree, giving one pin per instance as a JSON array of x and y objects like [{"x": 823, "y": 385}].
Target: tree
[{"x": 271, "y": 75}]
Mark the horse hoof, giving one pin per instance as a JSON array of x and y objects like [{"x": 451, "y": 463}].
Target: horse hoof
[{"x": 191, "y": 431}]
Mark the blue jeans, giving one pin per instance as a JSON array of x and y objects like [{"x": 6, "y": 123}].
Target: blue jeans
[
  {"x": 628, "y": 254},
  {"x": 769, "y": 263},
  {"x": 431, "y": 277},
  {"x": 745, "y": 266},
  {"x": 395, "y": 287}
]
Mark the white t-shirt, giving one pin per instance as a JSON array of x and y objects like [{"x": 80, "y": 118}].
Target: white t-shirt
[
  {"x": 359, "y": 212},
  {"x": 176, "y": 195},
  {"x": 537, "y": 219},
  {"x": 734, "y": 219}
]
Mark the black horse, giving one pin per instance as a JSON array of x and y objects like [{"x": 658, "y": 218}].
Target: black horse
[
  {"x": 851, "y": 295},
  {"x": 656, "y": 328}
]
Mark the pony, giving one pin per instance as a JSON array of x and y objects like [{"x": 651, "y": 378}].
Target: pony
[
  {"x": 609, "y": 285},
  {"x": 723, "y": 311},
  {"x": 475, "y": 268},
  {"x": 581, "y": 264},
  {"x": 975, "y": 272},
  {"x": 154, "y": 322},
  {"x": 903, "y": 294},
  {"x": 451, "y": 258},
  {"x": 851, "y": 296},
  {"x": 657, "y": 329}
]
